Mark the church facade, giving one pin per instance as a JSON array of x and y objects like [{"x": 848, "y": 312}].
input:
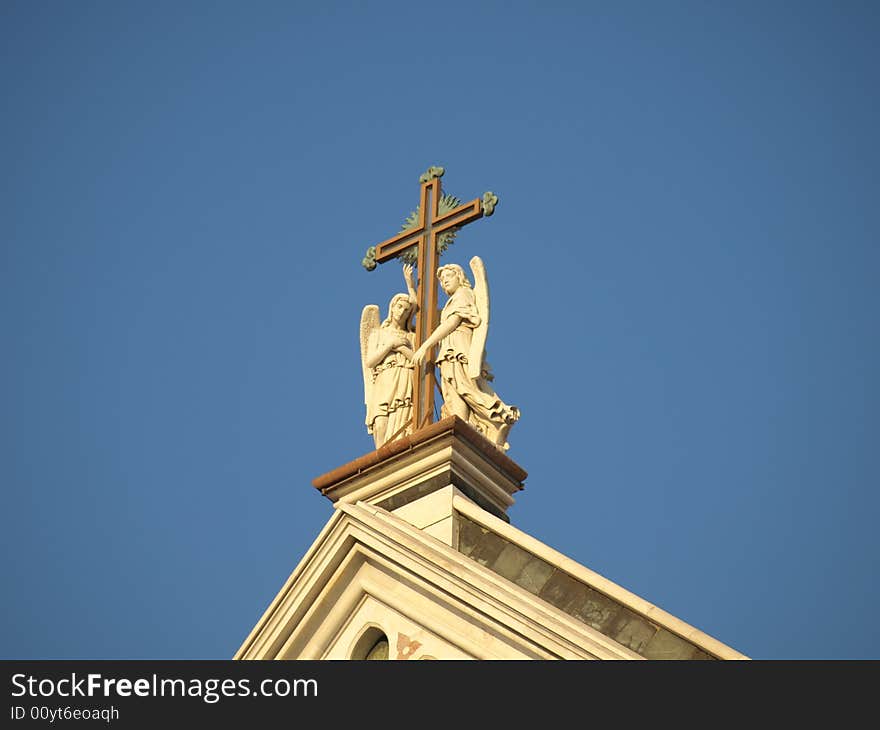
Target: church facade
[{"x": 420, "y": 561}]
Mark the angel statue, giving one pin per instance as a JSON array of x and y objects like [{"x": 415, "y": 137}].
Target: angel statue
[
  {"x": 464, "y": 373},
  {"x": 386, "y": 352}
]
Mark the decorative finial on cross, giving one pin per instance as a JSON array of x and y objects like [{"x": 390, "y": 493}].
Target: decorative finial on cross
[{"x": 431, "y": 173}]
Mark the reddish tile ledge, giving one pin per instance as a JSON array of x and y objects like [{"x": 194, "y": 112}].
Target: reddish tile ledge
[{"x": 452, "y": 424}]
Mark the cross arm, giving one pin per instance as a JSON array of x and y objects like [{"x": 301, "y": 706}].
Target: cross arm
[
  {"x": 458, "y": 216},
  {"x": 394, "y": 246}
]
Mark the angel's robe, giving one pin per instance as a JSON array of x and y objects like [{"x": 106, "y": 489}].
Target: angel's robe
[
  {"x": 390, "y": 394},
  {"x": 470, "y": 398},
  {"x": 457, "y": 344}
]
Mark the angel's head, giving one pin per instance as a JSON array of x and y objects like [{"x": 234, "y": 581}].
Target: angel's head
[
  {"x": 451, "y": 277},
  {"x": 400, "y": 308}
]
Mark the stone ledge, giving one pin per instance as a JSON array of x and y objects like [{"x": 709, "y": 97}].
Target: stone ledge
[
  {"x": 452, "y": 425},
  {"x": 582, "y": 593},
  {"x": 449, "y": 452}
]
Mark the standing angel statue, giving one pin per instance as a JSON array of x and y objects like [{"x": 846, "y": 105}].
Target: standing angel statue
[
  {"x": 464, "y": 373},
  {"x": 386, "y": 352}
]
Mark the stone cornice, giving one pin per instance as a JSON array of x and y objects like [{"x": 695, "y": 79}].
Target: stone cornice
[
  {"x": 446, "y": 452},
  {"x": 452, "y": 425}
]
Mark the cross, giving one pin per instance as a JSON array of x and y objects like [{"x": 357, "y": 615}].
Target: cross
[{"x": 425, "y": 234}]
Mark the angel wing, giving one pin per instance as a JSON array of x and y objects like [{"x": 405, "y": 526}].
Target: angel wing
[
  {"x": 369, "y": 324},
  {"x": 478, "y": 339}
]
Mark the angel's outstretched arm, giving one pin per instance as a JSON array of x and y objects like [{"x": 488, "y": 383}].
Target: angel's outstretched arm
[
  {"x": 410, "y": 286},
  {"x": 438, "y": 334}
]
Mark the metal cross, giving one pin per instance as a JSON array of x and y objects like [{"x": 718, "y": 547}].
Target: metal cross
[{"x": 425, "y": 234}]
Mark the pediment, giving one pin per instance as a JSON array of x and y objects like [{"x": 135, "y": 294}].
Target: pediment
[{"x": 370, "y": 569}]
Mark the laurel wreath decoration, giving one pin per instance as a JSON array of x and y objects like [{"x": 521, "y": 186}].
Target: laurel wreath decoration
[{"x": 444, "y": 205}]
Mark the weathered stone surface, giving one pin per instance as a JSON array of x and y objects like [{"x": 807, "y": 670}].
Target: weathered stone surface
[
  {"x": 469, "y": 534},
  {"x": 478, "y": 543},
  {"x": 535, "y": 575},
  {"x": 666, "y": 645},
  {"x": 597, "y": 611},
  {"x": 580, "y": 601},
  {"x": 634, "y": 631},
  {"x": 511, "y": 561},
  {"x": 568, "y": 594},
  {"x": 574, "y": 597}
]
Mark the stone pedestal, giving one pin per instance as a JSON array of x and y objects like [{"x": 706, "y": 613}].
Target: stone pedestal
[{"x": 437, "y": 461}]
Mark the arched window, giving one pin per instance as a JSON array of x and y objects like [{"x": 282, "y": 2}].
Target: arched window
[
  {"x": 372, "y": 644},
  {"x": 379, "y": 650}
]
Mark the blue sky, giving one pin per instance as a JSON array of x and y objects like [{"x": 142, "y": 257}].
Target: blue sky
[{"x": 683, "y": 265}]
